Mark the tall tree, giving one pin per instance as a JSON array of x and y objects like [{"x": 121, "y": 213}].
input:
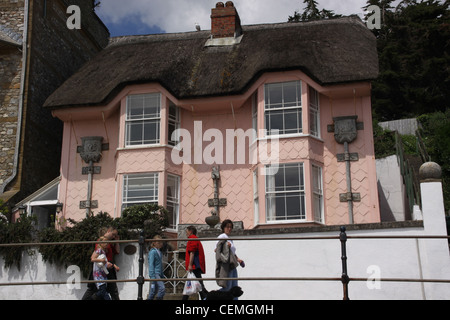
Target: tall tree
[
  {"x": 414, "y": 55},
  {"x": 312, "y": 12}
]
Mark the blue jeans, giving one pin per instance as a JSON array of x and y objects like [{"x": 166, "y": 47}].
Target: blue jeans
[
  {"x": 157, "y": 288},
  {"x": 231, "y": 283}
]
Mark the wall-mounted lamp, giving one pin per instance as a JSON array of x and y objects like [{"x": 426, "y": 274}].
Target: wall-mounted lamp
[
  {"x": 22, "y": 209},
  {"x": 59, "y": 207}
]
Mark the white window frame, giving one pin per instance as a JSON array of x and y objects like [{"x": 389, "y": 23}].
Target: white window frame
[
  {"x": 318, "y": 207},
  {"x": 273, "y": 192},
  {"x": 175, "y": 122},
  {"x": 173, "y": 200},
  {"x": 255, "y": 116},
  {"x": 282, "y": 110},
  {"x": 143, "y": 119},
  {"x": 129, "y": 185},
  {"x": 314, "y": 112}
]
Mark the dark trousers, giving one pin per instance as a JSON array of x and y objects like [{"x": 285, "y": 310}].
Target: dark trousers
[
  {"x": 204, "y": 292},
  {"x": 102, "y": 292},
  {"x": 111, "y": 288}
]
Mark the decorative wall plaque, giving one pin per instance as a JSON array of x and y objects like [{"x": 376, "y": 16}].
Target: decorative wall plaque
[
  {"x": 91, "y": 149},
  {"x": 345, "y": 129}
]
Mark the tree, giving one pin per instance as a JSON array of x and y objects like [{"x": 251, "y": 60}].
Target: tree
[
  {"x": 312, "y": 12},
  {"x": 414, "y": 55}
]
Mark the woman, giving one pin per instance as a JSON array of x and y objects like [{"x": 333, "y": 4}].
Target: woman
[
  {"x": 226, "y": 258},
  {"x": 195, "y": 259}
]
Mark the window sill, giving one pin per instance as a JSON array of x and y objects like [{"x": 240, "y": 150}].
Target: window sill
[
  {"x": 290, "y": 223},
  {"x": 290, "y": 136},
  {"x": 145, "y": 146}
]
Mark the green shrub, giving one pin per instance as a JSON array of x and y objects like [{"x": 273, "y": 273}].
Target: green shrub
[
  {"x": 149, "y": 217},
  {"x": 22, "y": 231}
]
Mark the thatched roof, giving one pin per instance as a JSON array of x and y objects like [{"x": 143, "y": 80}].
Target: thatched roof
[{"x": 329, "y": 51}]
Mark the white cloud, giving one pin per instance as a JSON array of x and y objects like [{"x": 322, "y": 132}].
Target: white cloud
[{"x": 181, "y": 15}]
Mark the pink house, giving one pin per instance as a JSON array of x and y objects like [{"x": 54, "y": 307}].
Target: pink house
[{"x": 266, "y": 124}]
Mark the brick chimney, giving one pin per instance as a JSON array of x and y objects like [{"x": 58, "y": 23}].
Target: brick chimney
[{"x": 225, "y": 21}]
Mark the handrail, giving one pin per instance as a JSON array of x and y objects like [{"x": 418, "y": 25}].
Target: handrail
[
  {"x": 240, "y": 279},
  {"x": 37, "y": 244}
]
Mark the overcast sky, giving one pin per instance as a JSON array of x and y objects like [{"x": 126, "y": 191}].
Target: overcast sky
[{"x": 132, "y": 17}]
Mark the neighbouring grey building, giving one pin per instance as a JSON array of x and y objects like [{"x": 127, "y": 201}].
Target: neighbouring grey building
[{"x": 38, "y": 52}]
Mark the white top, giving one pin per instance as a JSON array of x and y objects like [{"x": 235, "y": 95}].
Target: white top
[{"x": 224, "y": 236}]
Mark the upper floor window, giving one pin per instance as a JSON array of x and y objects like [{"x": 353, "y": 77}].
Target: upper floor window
[
  {"x": 143, "y": 119},
  {"x": 314, "y": 112},
  {"x": 283, "y": 107}
]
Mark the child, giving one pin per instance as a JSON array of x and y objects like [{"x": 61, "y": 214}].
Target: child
[
  {"x": 155, "y": 270},
  {"x": 100, "y": 272}
]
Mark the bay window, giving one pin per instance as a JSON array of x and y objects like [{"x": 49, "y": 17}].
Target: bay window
[
  {"x": 314, "y": 112},
  {"x": 173, "y": 200},
  {"x": 140, "y": 189},
  {"x": 317, "y": 193},
  {"x": 285, "y": 192}
]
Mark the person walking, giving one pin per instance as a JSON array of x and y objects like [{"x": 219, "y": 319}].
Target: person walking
[
  {"x": 111, "y": 250},
  {"x": 226, "y": 259},
  {"x": 100, "y": 272},
  {"x": 155, "y": 270},
  {"x": 195, "y": 259}
]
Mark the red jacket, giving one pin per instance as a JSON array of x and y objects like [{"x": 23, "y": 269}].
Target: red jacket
[{"x": 195, "y": 246}]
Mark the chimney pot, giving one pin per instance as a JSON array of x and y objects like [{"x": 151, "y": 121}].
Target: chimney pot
[{"x": 220, "y": 5}]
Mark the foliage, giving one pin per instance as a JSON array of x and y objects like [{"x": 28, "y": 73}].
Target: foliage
[
  {"x": 21, "y": 231},
  {"x": 414, "y": 55},
  {"x": 73, "y": 254},
  {"x": 384, "y": 141},
  {"x": 436, "y": 134},
  {"x": 409, "y": 144},
  {"x": 151, "y": 217},
  {"x": 4, "y": 212},
  {"x": 312, "y": 12}
]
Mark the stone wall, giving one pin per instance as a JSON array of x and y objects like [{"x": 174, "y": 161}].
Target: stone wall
[
  {"x": 11, "y": 23},
  {"x": 10, "y": 69}
]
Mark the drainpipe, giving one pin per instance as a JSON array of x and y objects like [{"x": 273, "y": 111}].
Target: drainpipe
[
  {"x": 21, "y": 97},
  {"x": 89, "y": 192}
]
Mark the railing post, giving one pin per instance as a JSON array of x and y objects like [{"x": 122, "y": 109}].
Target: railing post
[
  {"x": 140, "y": 278},
  {"x": 345, "y": 279}
]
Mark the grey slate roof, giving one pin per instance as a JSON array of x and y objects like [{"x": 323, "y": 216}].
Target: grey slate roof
[
  {"x": 9, "y": 37},
  {"x": 329, "y": 51}
]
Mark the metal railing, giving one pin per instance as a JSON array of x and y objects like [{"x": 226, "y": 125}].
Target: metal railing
[{"x": 345, "y": 279}]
